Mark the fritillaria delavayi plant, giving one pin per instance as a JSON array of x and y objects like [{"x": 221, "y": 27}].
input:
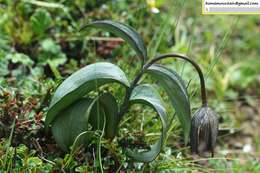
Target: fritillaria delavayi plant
[{"x": 73, "y": 113}]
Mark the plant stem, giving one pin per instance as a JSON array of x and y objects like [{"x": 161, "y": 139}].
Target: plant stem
[
  {"x": 193, "y": 63},
  {"x": 125, "y": 104}
]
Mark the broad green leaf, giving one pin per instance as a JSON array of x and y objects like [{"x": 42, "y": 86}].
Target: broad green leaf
[
  {"x": 74, "y": 120},
  {"x": 82, "y": 82},
  {"x": 70, "y": 123},
  {"x": 108, "y": 102},
  {"x": 97, "y": 120},
  {"x": 177, "y": 92},
  {"x": 40, "y": 20},
  {"x": 106, "y": 107},
  {"x": 127, "y": 33},
  {"x": 146, "y": 94}
]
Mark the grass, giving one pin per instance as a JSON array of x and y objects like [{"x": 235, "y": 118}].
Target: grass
[{"x": 218, "y": 43}]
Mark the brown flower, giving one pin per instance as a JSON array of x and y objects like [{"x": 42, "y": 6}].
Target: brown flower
[{"x": 204, "y": 131}]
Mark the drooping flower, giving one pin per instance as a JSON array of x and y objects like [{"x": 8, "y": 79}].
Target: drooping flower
[{"x": 204, "y": 131}]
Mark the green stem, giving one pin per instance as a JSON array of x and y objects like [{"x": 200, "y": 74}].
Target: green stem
[{"x": 99, "y": 147}]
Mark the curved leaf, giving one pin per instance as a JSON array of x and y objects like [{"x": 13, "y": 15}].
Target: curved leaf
[
  {"x": 108, "y": 102},
  {"x": 108, "y": 108},
  {"x": 74, "y": 120},
  {"x": 70, "y": 123},
  {"x": 127, "y": 33},
  {"x": 177, "y": 92},
  {"x": 82, "y": 82},
  {"x": 146, "y": 94}
]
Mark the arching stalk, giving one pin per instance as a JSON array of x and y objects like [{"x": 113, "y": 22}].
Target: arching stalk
[
  {"x": 193, "y": 63},
  {"x": 125, "y": 104}
]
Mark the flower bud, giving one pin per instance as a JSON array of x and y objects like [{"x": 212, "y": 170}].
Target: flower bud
[{"x": 204, "y": 131}]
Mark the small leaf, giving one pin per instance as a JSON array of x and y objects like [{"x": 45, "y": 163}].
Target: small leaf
[
  {"x": 49, "y": 45},
  {"x": 146, "y": 94},
  {"x": 177, "y": 92},
  {"x": 82, "y": 82},
  {"x": 40, "y": 20},
  {"x": 51, "y": 53},
  {"x": 20, "y": 58},
  {"x": 127, "y": 33}
]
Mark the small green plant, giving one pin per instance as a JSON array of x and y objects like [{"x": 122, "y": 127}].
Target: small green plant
[{"x": 74, "y": 112}]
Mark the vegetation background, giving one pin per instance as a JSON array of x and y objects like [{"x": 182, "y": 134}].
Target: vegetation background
[{"x": 40, "y": 46}]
